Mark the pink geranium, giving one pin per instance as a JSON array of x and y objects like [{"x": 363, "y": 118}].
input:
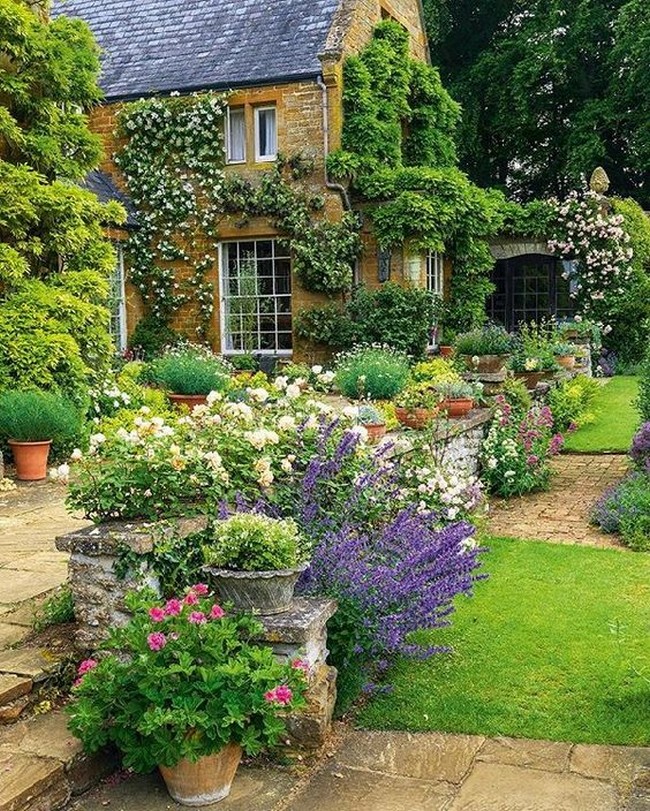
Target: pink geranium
[
  {"x": 156, "y": 641},
  {"x": 200, "y": 589},
  {"x": 86, "y": 665},
  {"x": 300, "y": 664},
  {"x": 279, "y": 695},
  {"x": 197, "y": 618},
  {"x": 156, "y": 614},
  {"x": 173, "y": 608},
  {"x": 217, "y": 612},
  {"x": 191, "y": 598}
]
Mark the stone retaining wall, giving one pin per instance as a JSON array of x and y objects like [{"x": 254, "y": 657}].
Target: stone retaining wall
[{"x": 457, "y": 443}]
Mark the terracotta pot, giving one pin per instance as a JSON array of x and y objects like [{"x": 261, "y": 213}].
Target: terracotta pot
[
  {"x": 416, "y": 418},
  {"x": 486, "y": 364},
  {"x": 457, "y": 408},
  {"x": 205, "y": 782},
  {"x": 30, "y": 459},
  {"x": 566, "y": 361},
  {"x": 531, "y": 379},
  {"x": 189, "y": 400},
  {"x": 375, "y": 431},
  {"x": 264, "y": 593},
  {"x": 446, "y": 351}
]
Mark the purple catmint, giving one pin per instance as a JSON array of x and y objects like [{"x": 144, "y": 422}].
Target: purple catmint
[{"x": 640, "y": 450}]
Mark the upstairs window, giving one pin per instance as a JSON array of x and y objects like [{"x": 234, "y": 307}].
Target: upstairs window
[
  {"x": 266, "y": 135},
  {"x": 236, "y": 135}
]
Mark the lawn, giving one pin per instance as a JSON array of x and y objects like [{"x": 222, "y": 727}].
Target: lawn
[
  {"x": 616, "y": 421},
  {"x": 536, "y": 655}
]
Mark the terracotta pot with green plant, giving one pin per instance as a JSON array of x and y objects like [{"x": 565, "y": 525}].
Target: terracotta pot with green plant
[
  {"x": 417, "y": 405},
  {"x": 30, "y": 422},
  {"x": 565, "y": 355},
  {"x": 254, "y": 562},
  {"x": 372, "y": 421},
  {"x": 158, "y": 693},
  {"x": 188, "y": 374},
  {"x": 485, "y": 350},
  {"x": 457, "y": 398}
]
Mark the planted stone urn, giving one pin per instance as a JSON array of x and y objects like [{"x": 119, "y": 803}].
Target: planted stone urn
[{"x": 254, "y": 562}]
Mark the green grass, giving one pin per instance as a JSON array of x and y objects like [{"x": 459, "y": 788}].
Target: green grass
[
  {"x": 616, "y": 419},
  {"x": 535, "y": 655}
]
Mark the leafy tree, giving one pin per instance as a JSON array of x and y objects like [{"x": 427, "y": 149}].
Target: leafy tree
[{"x": 54, "y": 256}]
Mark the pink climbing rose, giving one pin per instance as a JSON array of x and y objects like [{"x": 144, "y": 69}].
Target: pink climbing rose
[
  {"x": 156, "y": 641},
  {"x": 217, "y": 612},
  {"x": 156, "y": 614}
]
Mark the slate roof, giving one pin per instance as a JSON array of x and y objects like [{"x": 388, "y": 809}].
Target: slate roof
[
  {"x": 164, "y": 45},
  {"x": 101, "y": 185}
]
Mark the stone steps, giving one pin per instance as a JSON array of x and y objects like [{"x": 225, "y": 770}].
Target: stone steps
[
  {"x": 26, "y": 674},
  {"x": 42, "y": 765}
]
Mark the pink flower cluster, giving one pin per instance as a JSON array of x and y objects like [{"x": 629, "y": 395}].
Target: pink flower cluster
[
  {"x": 85, "y": 667},
  {"x": 279, "y": 695},
  {"x": 174, "y": 608}
]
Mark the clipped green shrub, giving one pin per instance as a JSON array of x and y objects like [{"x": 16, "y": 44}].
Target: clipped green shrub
[
  {"x": 151, "y": 336},
  {"x": 643, "y": 401},
  {"x": 256, "y": 543},
  {"x": 188, "y": 371},
  {"x": 377, "y": 372},
  {"x": 36, "y": 416}
]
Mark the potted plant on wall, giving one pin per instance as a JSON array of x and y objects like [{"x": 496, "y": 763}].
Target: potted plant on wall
[
  {"x": 485, "y": 350},
  {"x": 372, "y": 421},
  {"x": 254, "y": 562},
  {"x": 457, "y": 398},
  {"x": 188, "y": 374},
  {"x": 417, "y": 405},
  {"x": 159, "y": 694},
  {"x": 30, "y": 421},
  {"x": 565, "y": 355}
]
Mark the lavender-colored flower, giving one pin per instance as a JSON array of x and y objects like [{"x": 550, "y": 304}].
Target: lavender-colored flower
[{"x": 640, "y": 450}]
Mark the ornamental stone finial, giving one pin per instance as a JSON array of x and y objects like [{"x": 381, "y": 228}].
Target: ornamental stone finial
[{"x": 599, "y": 182}]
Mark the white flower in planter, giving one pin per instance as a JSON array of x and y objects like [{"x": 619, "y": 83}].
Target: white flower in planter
[
  {"x": 317, "y": 370},
  {"x": 293, "y": 391}
]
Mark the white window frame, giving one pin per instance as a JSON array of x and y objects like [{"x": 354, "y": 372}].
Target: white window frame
[
  {"x": 118, "y": 307},
  {"x": 256, "y": 112},
  {"x": 435, "y": 285},
  {"x": 226, "y": 349},
  {"x": 229, "y": 158}
]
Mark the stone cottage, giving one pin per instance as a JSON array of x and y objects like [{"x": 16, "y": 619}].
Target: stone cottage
[{"x": 281, "y": 62}]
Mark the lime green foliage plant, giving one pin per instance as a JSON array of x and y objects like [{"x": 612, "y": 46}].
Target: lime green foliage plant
[
  {"x": 159, "y": 693},
  {"x": 252, "y": 542},
  {"x": 418, "y": 395},
  {"x": 54, "y": 256},
  {"x": 572, "y": 402},
  {"x": 436, "y": 370},
  {"x": 188, "y": 370},
  {"x": 377, "y": 372},
  {"x": 36, "y": 416}
]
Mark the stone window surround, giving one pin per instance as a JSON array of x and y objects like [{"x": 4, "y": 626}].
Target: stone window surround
[{"x": 251, "y": 149}]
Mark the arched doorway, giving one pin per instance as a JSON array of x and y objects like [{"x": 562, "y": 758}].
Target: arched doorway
[{"x": 529, "y": 286}]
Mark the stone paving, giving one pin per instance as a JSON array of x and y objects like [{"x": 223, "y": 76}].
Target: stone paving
[
  {"x": 396, "y": 771},
  {"x": 561, "y": 514}
]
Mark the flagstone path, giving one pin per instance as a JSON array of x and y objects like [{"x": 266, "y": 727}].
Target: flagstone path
[{"x": 561, "y": 514}]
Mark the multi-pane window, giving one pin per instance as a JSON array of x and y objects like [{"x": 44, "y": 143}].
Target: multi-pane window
[
  {"x": 236, "y": 135},
  {"x": 266, "y": 137},
  {"x": 256, "y": 297},
  {"x": 117, "y": 303},
  {"x": 435, "y": 285}
]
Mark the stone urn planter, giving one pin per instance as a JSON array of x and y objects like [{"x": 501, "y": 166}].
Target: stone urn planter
[
  {"x": 205, "y": 782},
  {"x": 189, "y": 400},
  {"x": 416, "y": 418},
  {"x": 457, "y": 408},
  {"x": 31, "y": 459},
  {"x": 486, "y": 364},
  {"x": 567, "y": 362},
  {"x": 264, "y": 593}
]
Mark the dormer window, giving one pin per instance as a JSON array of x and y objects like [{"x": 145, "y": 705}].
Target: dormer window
[
  {"x": 266, "y": 134},
  {"x": 236, "y": 135}
]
